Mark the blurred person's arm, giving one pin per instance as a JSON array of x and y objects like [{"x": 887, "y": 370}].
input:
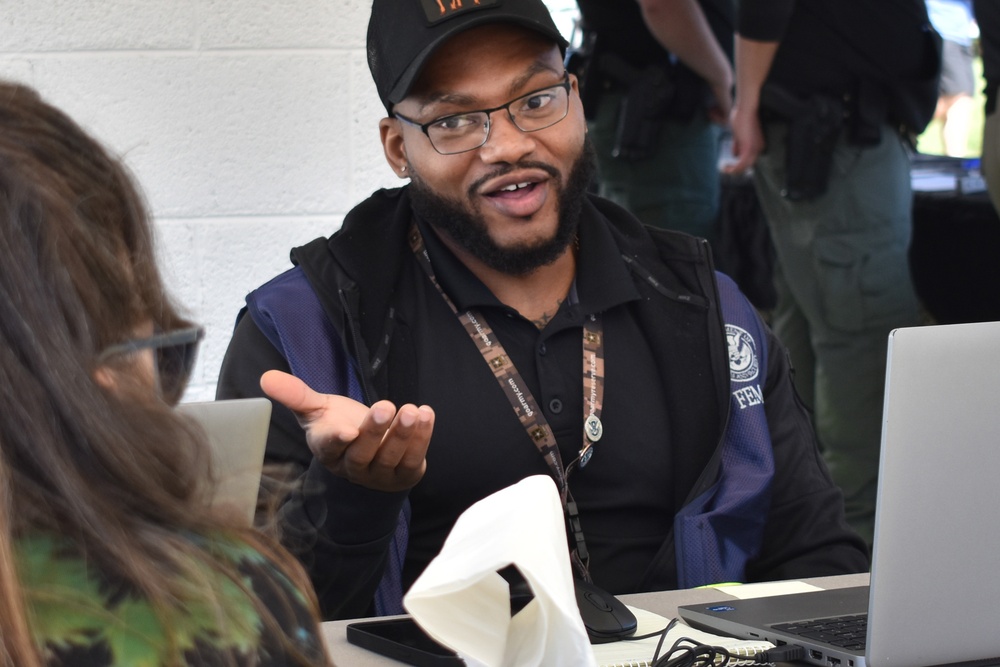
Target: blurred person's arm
[
  {"x": 760, "y": 27},
  {"x": 680, "y": 27},
  {"x": 753, "y": 62}
]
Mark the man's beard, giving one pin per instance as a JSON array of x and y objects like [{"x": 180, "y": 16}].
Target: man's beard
[{"x": 467, "y": 227}]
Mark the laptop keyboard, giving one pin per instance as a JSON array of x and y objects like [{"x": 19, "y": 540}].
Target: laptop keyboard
[{"x": 846, "y": 632}]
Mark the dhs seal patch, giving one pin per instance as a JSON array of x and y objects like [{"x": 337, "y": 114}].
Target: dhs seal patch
[{"x": 743, "y": 363}]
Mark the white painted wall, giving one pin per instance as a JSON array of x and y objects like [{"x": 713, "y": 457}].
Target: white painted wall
[{"x": 251, "y": 126}]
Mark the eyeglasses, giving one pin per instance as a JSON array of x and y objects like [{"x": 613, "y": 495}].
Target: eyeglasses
[
  {"x": 175, "y": 353},
  {"x": 467, "y": 131}
]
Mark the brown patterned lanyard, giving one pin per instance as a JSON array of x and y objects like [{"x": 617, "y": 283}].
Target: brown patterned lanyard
[{"x": 524, "y": 403}]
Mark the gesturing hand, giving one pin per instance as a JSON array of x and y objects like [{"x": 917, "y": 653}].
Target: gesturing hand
[{"x": 380, "y": 447}]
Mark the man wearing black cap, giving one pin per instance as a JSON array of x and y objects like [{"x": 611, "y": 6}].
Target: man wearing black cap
[{"x": 550, "y": 332}]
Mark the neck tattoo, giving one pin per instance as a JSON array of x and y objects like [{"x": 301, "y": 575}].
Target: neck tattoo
[{"x": 546, "y": 317}]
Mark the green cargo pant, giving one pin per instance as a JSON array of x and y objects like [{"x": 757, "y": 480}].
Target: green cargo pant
[{"x": 843, "y": 284}]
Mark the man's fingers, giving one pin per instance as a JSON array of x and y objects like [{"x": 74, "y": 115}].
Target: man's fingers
[
  {"x": 311, "y": 406},
  {"x": 405, "y": 445},
  {"x": 291, "y": 392},
  {"x": 332, "y": 423},
  {"x": 378, "y": 447},
  {"x": 390, "y": 456},
  {"x": 417, "y": 453},
  {"x": 371, "y": 432}
]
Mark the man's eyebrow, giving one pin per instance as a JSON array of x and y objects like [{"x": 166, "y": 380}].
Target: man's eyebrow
[
  {"x": 520, "y": 82},
  {"x": 458, "y": 99},
  {"x": 462, "y": 100}
]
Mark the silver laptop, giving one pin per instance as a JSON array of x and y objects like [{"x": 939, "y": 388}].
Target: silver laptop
[
  {"x": 237, "y": 434},
  {"x": 934, "y": 597}
]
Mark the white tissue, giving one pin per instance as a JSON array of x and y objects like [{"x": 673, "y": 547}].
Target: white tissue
[{"x": 463, "y": 603}]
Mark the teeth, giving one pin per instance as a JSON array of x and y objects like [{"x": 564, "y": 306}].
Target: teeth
[{"x": 514, "y": 186}]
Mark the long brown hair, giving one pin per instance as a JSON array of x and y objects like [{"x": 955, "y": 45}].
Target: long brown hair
[{"x": 115, "y": 471}]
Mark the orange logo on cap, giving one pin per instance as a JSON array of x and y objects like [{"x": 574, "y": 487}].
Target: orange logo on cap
[
  {"x": 437, "y": 11},
  {"x": 455, "y": 4}
]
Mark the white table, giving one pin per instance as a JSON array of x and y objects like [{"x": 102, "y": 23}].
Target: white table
[{"x": 663, "y": 603}]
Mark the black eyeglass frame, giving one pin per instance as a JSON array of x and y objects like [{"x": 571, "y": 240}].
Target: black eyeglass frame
[
  {"x": 188, "y": 338},
  {"x": 424, "y": 127}
]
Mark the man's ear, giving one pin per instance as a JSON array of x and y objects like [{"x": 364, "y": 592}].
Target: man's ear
[{"x": 393, "y": 146}]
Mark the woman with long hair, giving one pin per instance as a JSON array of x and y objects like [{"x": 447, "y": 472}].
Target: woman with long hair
[{"x": 109, "y": 554}]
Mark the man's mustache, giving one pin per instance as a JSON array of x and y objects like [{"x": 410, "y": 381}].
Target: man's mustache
[{"x": 503, "y": 170}]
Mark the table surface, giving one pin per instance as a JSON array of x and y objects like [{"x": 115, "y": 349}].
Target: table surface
[{"x": 663, "y": 603}]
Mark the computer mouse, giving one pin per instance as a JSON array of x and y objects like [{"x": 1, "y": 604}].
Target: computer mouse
[
  {"x": 606, "y": 618},
  {"x": 520, "y": 590}
]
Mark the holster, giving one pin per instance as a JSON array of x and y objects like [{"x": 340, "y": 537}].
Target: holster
[
  {"x": 814, "y": 125},
  {"x": 650, "y": 95},
  {"x": 643, "y": 107},
  {"x": 646, "y": 95}
]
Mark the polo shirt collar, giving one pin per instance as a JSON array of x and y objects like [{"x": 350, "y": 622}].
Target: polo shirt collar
[{"x": 602, "y": 279}]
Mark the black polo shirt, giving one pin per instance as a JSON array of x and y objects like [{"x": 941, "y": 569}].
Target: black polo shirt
[{"x": 479, "y": 446}]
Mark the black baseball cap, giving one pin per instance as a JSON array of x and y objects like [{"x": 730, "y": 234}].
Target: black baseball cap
[{"x": 403, "y": 34}]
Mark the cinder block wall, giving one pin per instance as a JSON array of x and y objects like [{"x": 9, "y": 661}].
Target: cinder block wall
[{"x": 251, "y": 126}]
